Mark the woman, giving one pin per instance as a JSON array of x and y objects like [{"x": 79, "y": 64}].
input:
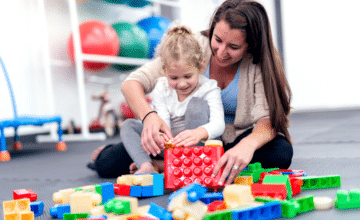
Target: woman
[{"x": 241, "y": 57}]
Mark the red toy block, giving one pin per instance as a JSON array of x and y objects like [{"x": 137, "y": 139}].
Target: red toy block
[
  {"x": 24, "y": 193},
  {"x": 296, "y": 185},
  {"x": 216, "y": 206},
  {"x": 184, "y": 166},
  {"x": 276, "y": 191},
  {"x": 123, "y": 190}
]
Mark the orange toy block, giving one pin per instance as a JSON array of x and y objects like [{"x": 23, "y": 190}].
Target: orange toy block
[
  {"x": 213, "y": 143},
  {"x": 244, "y": 180},
  {"x": 17, "y": 210}
]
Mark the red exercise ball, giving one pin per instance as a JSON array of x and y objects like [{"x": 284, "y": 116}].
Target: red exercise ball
[{"x": 99, "y": 38}]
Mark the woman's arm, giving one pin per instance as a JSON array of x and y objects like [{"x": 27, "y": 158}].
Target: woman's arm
[{"x": 242, "y": 153}]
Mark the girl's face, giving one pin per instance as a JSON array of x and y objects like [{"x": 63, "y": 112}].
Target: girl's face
[
  {"x": 182, "y": 77},
  {"x": 228, "y": 45}
]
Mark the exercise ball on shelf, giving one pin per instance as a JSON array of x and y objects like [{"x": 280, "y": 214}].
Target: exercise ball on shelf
[
  {"x": 137, "y": 3},
  {"x": 134, "y": 43},
  {"x": 155, "y": 27},
  {"x": 96, "y": 37}
]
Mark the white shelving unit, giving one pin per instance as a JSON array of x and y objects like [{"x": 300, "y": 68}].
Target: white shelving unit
[{"x": 80, "y": 76}]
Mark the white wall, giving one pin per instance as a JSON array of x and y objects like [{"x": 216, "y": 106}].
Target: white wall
[{"x": 320, "y": 41}]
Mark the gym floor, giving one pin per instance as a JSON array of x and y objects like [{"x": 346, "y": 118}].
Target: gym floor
[{"x": 326, "y": 143}]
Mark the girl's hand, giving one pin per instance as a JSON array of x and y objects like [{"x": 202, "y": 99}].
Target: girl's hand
[
  {"x": 234, "y": 161},
  {"x": 190, "y": 137},
  {"x": 151, "y": 140}
]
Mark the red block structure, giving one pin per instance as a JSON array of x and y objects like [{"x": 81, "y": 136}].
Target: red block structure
[
  {"x": 24, "y": 193},
  {"x": 184, "y": 166},
  {"x": 122, "y": 190},
  {"x": 276, "y": 191}
]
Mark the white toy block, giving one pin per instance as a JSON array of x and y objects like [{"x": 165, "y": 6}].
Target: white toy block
[{"x": 237, "y": 195}]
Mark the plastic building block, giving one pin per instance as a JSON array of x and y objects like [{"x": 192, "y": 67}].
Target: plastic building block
[
  {"x": 106, "y": 190},
  {"x": 134, "y": 204},
  {"x": 211, "y": 197},
  {"x": 320, "y": 182},
  {"x": 117, "y": 206},
  {"x": 306, "y": 203},
  {"x": 125, "y": 179},
  {"x": 158, "y": 180},
  {"x": 158, "y": 212},
  {"x": 135, "y": 191},
  {"x": 83, "y": 202},
  {"x": 269, "y": 210},
  {"x": 213, "y": 143},
  {"x": 277, "y": 191},
  {"x": 17, "y": 209},
  {"x": 289, "y": 208},
  {"x": 216, "y": 206},
  {"x": 236, "y": 195},
  {"x": 24, "y": 193},
  {"x": 63, "y": 196},
  {"x": 194, "y": 192},
  {"x": 289, "y": 172},
  {"x": 296, "y": 185},
  {"x": 123, "y": 190},
  {"x": 279, "y": 179},
  {"x": 219, "y": 215},
  {"x": 37, "y": 207},
  {"x": 254, "y": 170},
  {"x": 75, "y": 216},
  {"x": 182, "y": 208},
  {"x": 60, "y": 210},
  {"x": 97, "y": 217},
  {"x": 323, "y": 203},
  {"x": 348, "y": 200},
  {"x": 143, "y": 180},
  {"x": 147, "y": 191},
  {"x": 184, "y": 166},
  {"x": 244, "y": 180}
]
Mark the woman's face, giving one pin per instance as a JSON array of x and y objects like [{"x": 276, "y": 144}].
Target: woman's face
[{"x": 229, "y": 45}]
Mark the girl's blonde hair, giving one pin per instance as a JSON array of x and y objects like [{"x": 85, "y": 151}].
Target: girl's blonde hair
[{"x": 179, "y": 44}]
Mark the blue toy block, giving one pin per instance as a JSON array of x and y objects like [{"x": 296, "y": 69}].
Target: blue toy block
[
  {"x": 106, "y": 190},
  {"x": 97, "y": 217},
  {"x": 158, "y": 184},
  {"x": 270, "y": 210},
  {"x": 211, "y": 197},
  {"x": 195, "y": 191},
  {"x": 147, "y": 191},
  {"x": 60, "y": 210},
  {"x": 37, "y": 207},
  {"x": 158, "y": 212},
  {"x": 135, "y": 191}
]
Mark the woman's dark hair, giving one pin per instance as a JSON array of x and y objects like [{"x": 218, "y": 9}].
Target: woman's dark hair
[{"x": 251, "y": 18}]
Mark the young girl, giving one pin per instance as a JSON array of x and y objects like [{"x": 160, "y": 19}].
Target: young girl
[{"x": 189, "y": 103}]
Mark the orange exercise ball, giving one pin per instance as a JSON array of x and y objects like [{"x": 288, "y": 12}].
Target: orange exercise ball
[{"x": 96, "y": 37}]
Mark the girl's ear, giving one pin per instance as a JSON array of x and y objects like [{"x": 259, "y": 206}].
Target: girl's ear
[{"x": 202, "y": 66}]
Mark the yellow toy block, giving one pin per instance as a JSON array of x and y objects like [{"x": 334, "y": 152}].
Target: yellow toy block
[
  {"x": 143, "y": 210},
  {"x": 98, "y": 210},
  {"x": 84, "y": 202},
  {"x": 214, "y": 143},
  {"x": 237, "y": 195},
  {"x": 63, "y": 196},
  {"x": 88, "y": 188},
  {"x": 17, "y": 210},
  {"x": 244, "y": 180},
  {"x": 125, "y": 179},
  {"x": 179, "y": 202},
  {"x": 143, "y": 180},
  {"x": 182, "y": 208}
]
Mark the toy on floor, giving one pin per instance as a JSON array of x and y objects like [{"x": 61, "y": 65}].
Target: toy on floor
[
  {"x": 17, "y": 209},
  {"x": 184, "y": 166},
  {"x": 140, "y": 185},
  {"x": 18, "y": 121}
]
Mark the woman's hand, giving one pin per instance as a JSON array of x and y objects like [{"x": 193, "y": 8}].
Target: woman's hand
[
  {"x": 234, "y": 161},
  {"x": 151, "y": 140},
  {"x": 190, "y": 137}
]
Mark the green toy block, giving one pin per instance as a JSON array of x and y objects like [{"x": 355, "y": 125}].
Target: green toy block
[
  {"x": 289, "y": 208},
  {"x": 254, "y": 170},
  {"x": 117, "y": 206},
  {"x": 279, "y": 179},
  {"x": 219, "y": 215},
  {"x": 347, "y": 200},
  {"x": 306, "y": 203},
  {"x": 320, "y": 182},
  {"x": 75, "y": 216}
]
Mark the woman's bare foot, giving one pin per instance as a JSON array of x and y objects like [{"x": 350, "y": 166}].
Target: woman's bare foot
[
  {"x": 146, "y": 167},
  {"x": 159, "y": 165},
  {"x": 96, "y": 152},
  {"x": 133, "y": 168}
]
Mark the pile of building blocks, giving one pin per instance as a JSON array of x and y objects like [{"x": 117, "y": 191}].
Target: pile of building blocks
[
  {"x": 23, "y": 206},
  {"x": 184, "y": 166},
  {"x": 140, "y": 185}
]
